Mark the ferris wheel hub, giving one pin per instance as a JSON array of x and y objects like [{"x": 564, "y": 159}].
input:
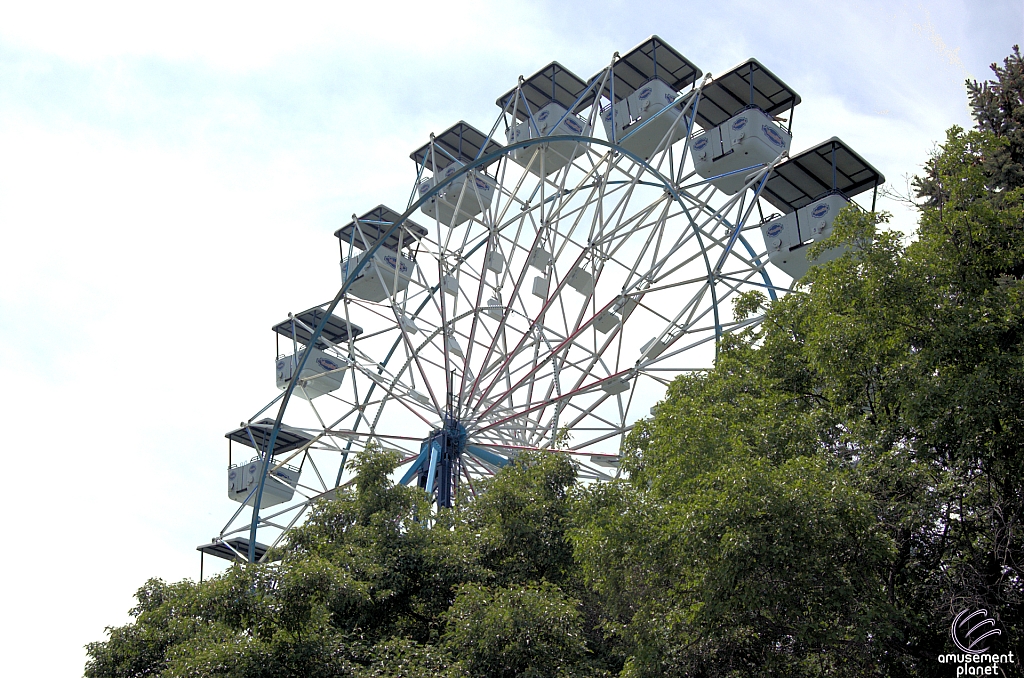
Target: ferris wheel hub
[{"x": 437, "y": 467}]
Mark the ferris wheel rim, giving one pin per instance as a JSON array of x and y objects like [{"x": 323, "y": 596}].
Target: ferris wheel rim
[{"x": 557, "y": 349}]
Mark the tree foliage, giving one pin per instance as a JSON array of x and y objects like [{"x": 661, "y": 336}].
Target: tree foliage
[
  {"x": 533, "y": 631},
  {"x": 998, "y": 108},
  {"x": 848, "y": 477},
  {"x": 364, "y": 588}
]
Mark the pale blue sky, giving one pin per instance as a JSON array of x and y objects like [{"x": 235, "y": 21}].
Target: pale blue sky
[{"x": 160, "y": 168}]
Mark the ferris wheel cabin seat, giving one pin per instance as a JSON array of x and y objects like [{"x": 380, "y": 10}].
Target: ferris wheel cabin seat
[
  {"x": 384, "y": 274},
  {"x": 642, "y": 93},
  {"x": 388, "y": 271},
  {"x": 546, "y": 106},
  {"x": 468, "y": 194},
  {"x": 469, "y": 201},
  {"x": 282, "y": 479},
  {"x": 280, "y": 486},
  {"x": 321, "y": 373},
  {"x": 739, "y": 114},
  {"x": 811, "y": 188}
]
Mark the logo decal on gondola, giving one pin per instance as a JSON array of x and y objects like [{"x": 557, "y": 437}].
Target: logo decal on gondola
[
  {"x": 573, "y": 126},
  {"x": 327, "y": 363},
  {"x": 393, "y": 262},
  {"x": 774, "y": 230},
  {"x": 819, "y": 211},
  {"x": 669, "y": 98},
  {"x": 773, "y": 136},
  {"x": 645, "y": 92},
  {"x": 482, "y": 185},
  {"x": 700, "y": 143},
  {"x": 542, "y": 116},
  {"x": 739, "y": 123}
]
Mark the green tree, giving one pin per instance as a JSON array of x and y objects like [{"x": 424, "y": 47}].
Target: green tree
[
  {"x": 530, "y": 631},
  {"x": 347, "y": 579},
  {"x": 521, "y": 516},
  {"x": 741, "y": 543},
  {"x": 365, "y": 588},
  {"x": 376, "y": 536},
  {"x": 250, "y": 622},
  {"x": 887, "y": 392},
  {"x": 999, "y": 109},
  {"x": 940, "y": 374}
]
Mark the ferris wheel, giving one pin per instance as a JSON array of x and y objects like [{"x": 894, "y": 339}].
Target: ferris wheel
[{"x": 543, "y": 284}]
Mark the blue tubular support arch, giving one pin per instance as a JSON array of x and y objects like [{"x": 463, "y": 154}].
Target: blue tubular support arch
[
  {"x": 487, "y": 456},
  {"x": 435, "y": 454},
  {"x": 417, "y": 465}
]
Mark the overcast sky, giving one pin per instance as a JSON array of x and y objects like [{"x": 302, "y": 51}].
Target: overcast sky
[{"x": 170, "y": 179}]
